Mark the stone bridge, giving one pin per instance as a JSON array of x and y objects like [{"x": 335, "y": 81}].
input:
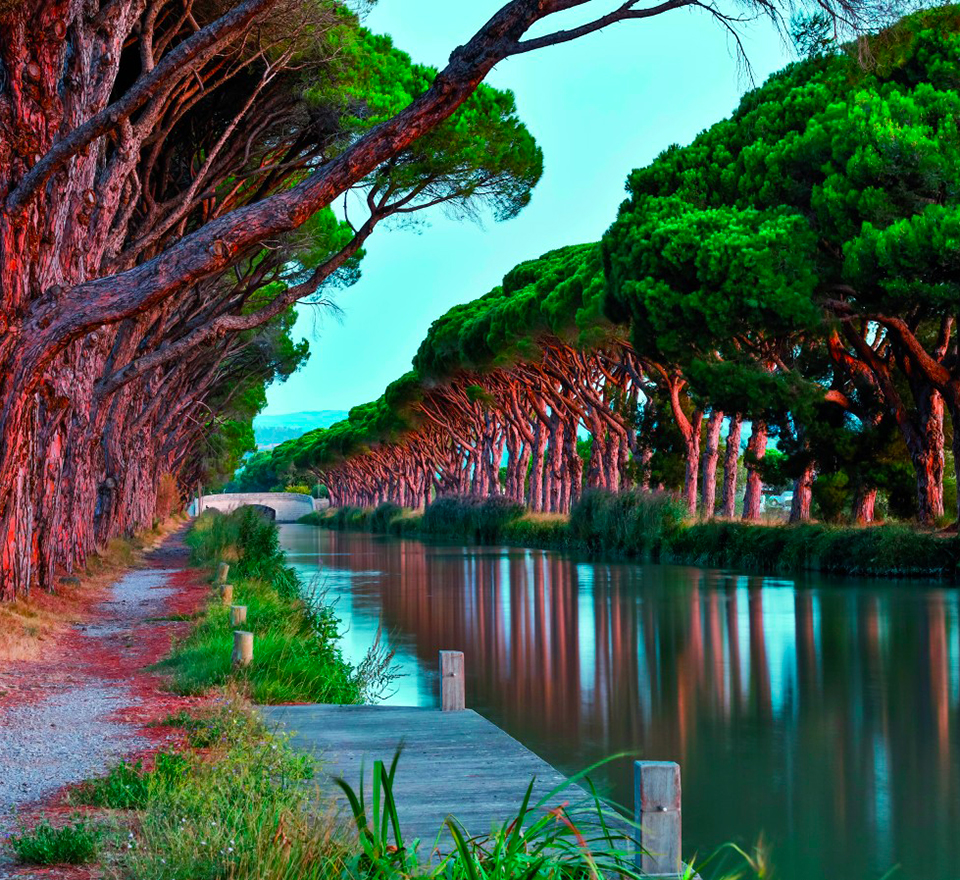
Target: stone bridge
[{"x": 283, "y": 507}]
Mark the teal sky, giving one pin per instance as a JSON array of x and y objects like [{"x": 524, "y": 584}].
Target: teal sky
[{"x": 598, "y": 106}]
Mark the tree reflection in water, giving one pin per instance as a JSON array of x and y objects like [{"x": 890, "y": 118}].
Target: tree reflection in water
[{"x": 821, "y": 713}]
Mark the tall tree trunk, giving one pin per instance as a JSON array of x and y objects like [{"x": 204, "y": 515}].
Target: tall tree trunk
[
  {"x": 864, "y": 503},
  {"x": 928, "y": 458},
  {"x": 955, "y": 420},
  {"x": 803, "y": 494},
  {"x": 535, "y": 502},
  {"x": 756, "y": 448},
  {"x": 731, "y": 462},
  {"x": 711, "y": 456}
]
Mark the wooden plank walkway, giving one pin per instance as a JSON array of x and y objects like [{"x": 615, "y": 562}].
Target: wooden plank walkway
[{"x": 453, "y": 763}]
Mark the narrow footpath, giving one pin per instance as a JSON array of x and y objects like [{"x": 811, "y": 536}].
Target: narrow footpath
[{"x": 89, "y": 701}]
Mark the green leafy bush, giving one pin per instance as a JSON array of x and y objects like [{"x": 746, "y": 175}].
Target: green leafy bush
[
  {"x": 127, "y": 786},
  {"x": 74, "y": 844},
  {"x": 634, "y": 523},
  {"x": 478, "y": 519},
  {"x": 877, "y": 551},
  {"x": 296, "y": 652}
]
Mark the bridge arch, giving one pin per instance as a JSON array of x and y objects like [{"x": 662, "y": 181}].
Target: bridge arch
[{"x": 284, "y": 507}]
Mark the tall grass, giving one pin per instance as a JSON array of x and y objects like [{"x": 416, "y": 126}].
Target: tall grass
[
  {"x": 878, "y": 551},
  {"x": 474, "y": 519},
  {"x": 238, "y": 810},
  {"x": 296, "y": 652},
  {"x": 633, "y": 523}
]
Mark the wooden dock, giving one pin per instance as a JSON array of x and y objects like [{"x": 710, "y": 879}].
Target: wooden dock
[
  {"x": 453, "y": 763},
  {"x": 456, "y": 763}
]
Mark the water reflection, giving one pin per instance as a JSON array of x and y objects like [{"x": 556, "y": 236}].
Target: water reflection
[{"x": 824, "y": 715}]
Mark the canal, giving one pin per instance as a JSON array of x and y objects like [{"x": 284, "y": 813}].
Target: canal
[{"x": 821, "y": 716}]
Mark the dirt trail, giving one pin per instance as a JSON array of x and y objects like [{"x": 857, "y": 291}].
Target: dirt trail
[{"x": 87, "y": 704}]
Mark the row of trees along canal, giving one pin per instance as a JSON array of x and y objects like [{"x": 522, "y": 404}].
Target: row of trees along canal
[
  {"x": 166, "y": 167},
  {"x": 795, "y": 268}
]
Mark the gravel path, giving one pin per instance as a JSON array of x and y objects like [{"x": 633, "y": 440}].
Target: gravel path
[{"x": 64, "y": 726}]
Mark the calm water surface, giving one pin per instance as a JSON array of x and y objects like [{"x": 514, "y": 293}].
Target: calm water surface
[{"x": 820, "y": 714}]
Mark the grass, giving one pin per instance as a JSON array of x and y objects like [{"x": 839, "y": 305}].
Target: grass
[
  {"x": 227, "y": 811},
  {"x": 296, "y": 652},
  {"x": 653, "y": 526},
  {"x": 127, "y": 786},
  {"x": 877, "y": 551},
  {"x": 473, "y": 519},
  {"x": 75, "y": 844}
]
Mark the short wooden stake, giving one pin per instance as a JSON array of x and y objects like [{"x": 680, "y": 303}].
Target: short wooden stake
[
  {"x": 226, "y": 594},
  {"x": 656, "y": 793},
  {"x": 238, "y": 614},
  {"x": 223, "y": 569},
  {"x": 242, "y": 648},
  {"x": 452, "y": 687}
]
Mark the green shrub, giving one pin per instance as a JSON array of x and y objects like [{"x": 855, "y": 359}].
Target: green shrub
[
  {"x": 74, "y": 844},
  {"x": 478, "y": 519},
  {"x": 244, "y": 538},
  {"x": 877, "y": 551},
  {"x": 633, "y": 523},
  {"x": 380, "y": 519},
  {"x": 296, "y": 655},
  {"x": 126, "y": 786},
  {"x": 545, "y": 530}
]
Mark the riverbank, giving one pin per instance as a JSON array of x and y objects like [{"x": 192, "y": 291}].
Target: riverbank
[
  {"x": 653, "y": 527},
  {"x": 143, "y": 758}
]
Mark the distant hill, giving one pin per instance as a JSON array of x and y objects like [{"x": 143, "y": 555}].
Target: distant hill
[{"x": 271, "y": 430}]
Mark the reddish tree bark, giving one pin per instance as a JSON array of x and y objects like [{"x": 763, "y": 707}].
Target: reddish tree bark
[
  {"x": 711, "y": 457},
  {"x": 756, "y": 449},
  {"x": 731, "y": 462},
  {"x": 803, "y": 494},
  {"x": 864, "y": 503}
]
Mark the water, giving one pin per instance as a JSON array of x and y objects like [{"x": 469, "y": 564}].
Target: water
[{"x": 820, "y": 714}]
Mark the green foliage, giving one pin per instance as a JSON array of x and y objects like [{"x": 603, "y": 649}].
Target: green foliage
[
  {"x": 75, "y": 844},
  {"x": 295, "y": 633},
  {"x": 127, "y": 786},
  {"x": 652, "y": 525},
  {"x": 473, "y": 519},
  {"x": 245, "y": 539},
  {"x": 880, "y": 551},
  {"x": 482, "y": 154},
  {"x": 533, "y": 844},
  {"x": 633, "y": 523},
  {"x": 833, "y": 181},
  {"x": 223, "y": 817}
]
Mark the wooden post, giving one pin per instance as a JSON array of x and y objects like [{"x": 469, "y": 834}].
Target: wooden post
[
  {"x": 226, "y": 594},
  {"x": 223, "y": 569},
  {"x": 238, "y": 614},
  {"x": 242, "y": 648},
  {"x": 452, "y": 690},
  {"x": 656, "y": 792}
]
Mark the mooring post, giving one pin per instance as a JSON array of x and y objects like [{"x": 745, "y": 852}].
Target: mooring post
[
  {"x": 223, "y": 569},
  {"x": 452, "y": 690},
  {"x": 656, "y": 798},
  {"x": 242, "y": 648},
  {"x": 226, "y": 594},
  {"x": 238, "y": 615}
]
